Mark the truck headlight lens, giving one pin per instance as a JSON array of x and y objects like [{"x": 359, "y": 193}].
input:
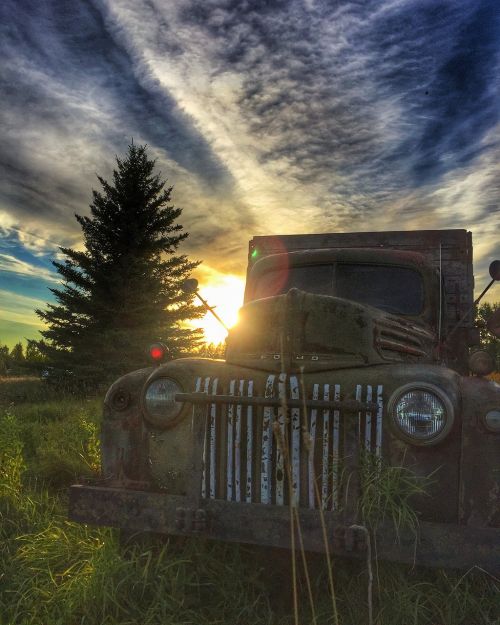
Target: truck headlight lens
[
  {"x": 161, "y": 409},
  {"x": 423, "y": 414}
]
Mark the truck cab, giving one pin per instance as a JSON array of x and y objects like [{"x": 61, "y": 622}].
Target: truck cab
[{"x": 350, "y": 346}]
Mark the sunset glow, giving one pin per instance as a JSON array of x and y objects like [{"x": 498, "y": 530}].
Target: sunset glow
[
  {"x": 306, "y": 117},
  {"x": 225, "y": 294}
]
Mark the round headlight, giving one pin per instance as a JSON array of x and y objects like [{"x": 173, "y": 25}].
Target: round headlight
[
  {"x": 161, "y": 409},
  {"x": 422, "y": 414}
]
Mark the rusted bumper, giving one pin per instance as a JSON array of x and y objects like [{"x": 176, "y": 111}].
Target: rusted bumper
[{"x": 436, "y": 544}]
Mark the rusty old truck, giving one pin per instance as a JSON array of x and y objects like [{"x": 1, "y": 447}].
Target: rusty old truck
[{"x": 349, "y": 346}]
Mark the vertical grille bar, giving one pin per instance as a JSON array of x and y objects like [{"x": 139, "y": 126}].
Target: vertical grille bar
[
  {"x": 295, "y": 412},
  {"x": 335, "y": 451},
  {"x": 230, "y": 433},
  {"x": 368, "y": 424},
  {"x": 237, "y": 445},
  {"x": 267, "y": 439},
  {"x": 249, "y": 477},
  {"x": 358, "y": 398},
  {"x": 326, "y": 431},
  {"x": 378, "y": 435},
  {"x": 239, "y": 442},
  {"x": 312, "y": 444},
  {"x": 204, "y": 459},
  {"x": 213, "y": 441},
  {"x": 281, "y": 442}
]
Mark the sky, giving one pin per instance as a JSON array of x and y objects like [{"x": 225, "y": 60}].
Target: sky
[{"x": 267, "y": 117}]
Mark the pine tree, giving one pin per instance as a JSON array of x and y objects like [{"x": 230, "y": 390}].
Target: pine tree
[
  {"x": 488, "y": 341},
  {"x": 17, "y": 354},
  {"x": 123, "y": 291},
  {"x": 4, "y": 359}
]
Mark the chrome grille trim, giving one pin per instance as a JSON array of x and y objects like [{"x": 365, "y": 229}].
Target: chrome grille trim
[
  {"x": 235, "y": 468},
  {"x": 295, "y": 460},
  {"x": 213, "y": 441},
  {"x": 230, "y": 445},
  {"x": 336, "y": 451},
  {"x": 380, "y": 410},
  {"x": 204, "y": 459},
  {"x": 280, "y": 443},
  {"x": 248, "y": 491},
  {"x": 311, "y": 446},
  {"x": 368, "y": 428},
  {"x": 325, "y": 439},
  {"x": 237, "y": 444},
  {"x": 267, "y": 448}
]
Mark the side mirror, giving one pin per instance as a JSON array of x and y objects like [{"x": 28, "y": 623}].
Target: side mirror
[
  {"x": 493, "y": 323},
  {"x": 495, "y": 270},
  {"x": 191, "y": 285}
]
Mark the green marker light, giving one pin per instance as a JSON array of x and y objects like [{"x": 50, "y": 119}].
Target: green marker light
[{"x": 255, "y": 253}]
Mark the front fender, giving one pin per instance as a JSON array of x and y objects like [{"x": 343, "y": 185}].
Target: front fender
[{"x": 480, "y": 466}]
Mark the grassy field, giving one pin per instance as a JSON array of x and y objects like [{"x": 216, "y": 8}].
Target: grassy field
[{"x": 55, "y": 572}]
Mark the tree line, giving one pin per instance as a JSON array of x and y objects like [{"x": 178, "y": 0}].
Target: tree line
[
  {"x": 27, "y": 359},
  {"x": 20, "y": 360}
]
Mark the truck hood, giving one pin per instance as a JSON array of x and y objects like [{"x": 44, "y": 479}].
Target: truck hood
[{"x": 305, "y": 331}]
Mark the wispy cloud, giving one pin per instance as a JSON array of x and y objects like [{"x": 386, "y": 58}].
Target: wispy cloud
[
  {"x": 11, "y": 264},
  {"x": 290, "y": 116},
  {"x": 19, "y": 308},
  {"x": 328, "y": 116}
]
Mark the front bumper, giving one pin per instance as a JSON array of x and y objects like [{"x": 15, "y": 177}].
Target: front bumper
[{"x": 435, "y": 544}]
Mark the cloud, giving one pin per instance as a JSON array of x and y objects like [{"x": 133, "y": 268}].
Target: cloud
[
  {"x": 19, "y": 308},
  {"x": 11, "y": 264},
  {"x": 284, "y": 117},
  {"x": 100, "y": 80},
  {"x": 461, "y": 97},
  {"x": 338, "y": 109},
  {"x": 68, "y": 106}
]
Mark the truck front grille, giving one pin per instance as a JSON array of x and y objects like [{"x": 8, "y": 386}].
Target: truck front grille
[{"x": 246, "y": 447}]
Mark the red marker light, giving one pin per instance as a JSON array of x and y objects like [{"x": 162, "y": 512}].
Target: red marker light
[{"x": 157, "y": 351}]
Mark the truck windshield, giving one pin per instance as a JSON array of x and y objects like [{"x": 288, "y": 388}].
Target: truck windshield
[{"x": 393, "y": 289}]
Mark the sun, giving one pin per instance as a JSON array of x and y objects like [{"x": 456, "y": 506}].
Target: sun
[{"x": 225, "y": 295}]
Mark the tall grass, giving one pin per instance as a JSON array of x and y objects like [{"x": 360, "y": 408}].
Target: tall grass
[
  {"x": 72, "y": 574},
  {"x": 55, "y": 572},
  {"x": 387, "y": 493},
  {"x": 27, "y": 388}
]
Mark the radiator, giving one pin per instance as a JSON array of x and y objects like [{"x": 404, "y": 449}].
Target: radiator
[{"x": 281, "y": 454}]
